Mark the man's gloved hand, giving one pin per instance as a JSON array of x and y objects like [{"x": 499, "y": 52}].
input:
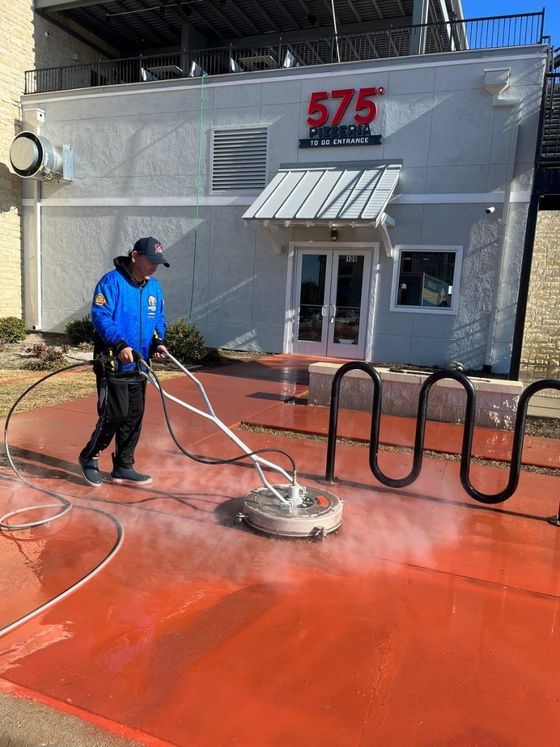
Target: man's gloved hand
[{"x": 160, "y": 353}]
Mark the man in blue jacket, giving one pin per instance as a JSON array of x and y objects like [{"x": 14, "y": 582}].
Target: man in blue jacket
[{"x": 127, "y": 314}]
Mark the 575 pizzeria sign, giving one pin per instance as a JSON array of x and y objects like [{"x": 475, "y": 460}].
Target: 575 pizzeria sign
[{"x": 325, "y": 122}]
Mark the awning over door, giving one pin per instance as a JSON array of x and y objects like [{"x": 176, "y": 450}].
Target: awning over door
[{"x": 345, "y": 193}]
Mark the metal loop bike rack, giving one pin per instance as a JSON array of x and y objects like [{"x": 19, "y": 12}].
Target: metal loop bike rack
[{"x": 468, "y": 430}]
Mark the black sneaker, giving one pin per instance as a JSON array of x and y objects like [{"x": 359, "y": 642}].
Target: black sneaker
[
  {"x": 90, "y": 471},
  {"x": 129, "y": 475}
]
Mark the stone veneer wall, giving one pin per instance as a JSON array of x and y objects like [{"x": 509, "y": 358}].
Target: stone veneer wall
[
  {"x": 16, "y": 56},
  {"x": 541, "y": 339},
  {"x": 27, "y": 41},
  {"x": 496, "y": 399}
]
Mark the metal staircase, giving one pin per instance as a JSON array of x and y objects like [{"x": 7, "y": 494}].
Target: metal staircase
[{"x": 549, "y": 155}]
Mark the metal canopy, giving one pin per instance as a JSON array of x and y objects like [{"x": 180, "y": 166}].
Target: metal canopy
[
  {"x": 137, "y": 25},
  {"x": 345, "y": 193}
]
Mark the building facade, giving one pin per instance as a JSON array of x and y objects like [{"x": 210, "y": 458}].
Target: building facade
[
  {"x": 371, "y": 205},
  {"x": 160, "y": 158}
]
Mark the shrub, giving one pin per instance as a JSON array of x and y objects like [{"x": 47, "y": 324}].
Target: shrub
[
  {"x": 80, "y": 330},
  {"x": 12, "y": 329},
  {"x": 185, "y": 342},
  {"x": 45, "y": 357},
  {"x": 213, "y": 356}
]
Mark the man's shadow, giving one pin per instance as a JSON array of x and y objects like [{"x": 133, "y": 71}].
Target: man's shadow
[{"x": 40, "y": 465}]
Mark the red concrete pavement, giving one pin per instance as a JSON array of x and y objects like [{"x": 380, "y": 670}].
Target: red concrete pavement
[{"x": 427, "y": 620}]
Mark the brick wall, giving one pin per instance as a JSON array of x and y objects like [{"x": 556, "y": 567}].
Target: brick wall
[
  {"x": 16, "y": 56},
  {"x": 26, "y": 41},
  {"x": 541, "y": 341}
]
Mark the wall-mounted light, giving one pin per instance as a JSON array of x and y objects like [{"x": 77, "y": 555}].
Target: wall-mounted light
[
  {"x": 334, "y": 234},
  {"x": 491, "y": 209}
]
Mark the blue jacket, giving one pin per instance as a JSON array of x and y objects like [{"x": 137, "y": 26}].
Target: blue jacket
[{"x": 126, "y": 313}]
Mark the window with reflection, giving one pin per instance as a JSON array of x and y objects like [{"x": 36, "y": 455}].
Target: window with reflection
[
  {"x": 350, "y": 273},
  {"x": 426, "y": 279},
  {"x": 312, "y": 297}
]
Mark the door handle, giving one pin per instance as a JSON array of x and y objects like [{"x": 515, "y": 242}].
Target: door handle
[
  {"x": 324, "y": 310},
  {"x": 332, "y": 308}
]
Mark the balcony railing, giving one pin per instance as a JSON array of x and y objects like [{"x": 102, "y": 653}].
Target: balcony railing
[{"x": 478, "y": 33}]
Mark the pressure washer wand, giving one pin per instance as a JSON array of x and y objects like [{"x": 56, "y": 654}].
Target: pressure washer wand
[{"x": 295, "y": 492}]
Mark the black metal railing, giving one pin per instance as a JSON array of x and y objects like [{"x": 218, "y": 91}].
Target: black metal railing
[
  {"x": 549, "y": 154},
  {"x": 418, "y": 453},
  {"x": 477, "y": 33}
]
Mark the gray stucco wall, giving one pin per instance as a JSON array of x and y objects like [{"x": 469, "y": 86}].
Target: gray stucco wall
[
  {"x": 137, "y": 172},
  {"x": 233, "y": 275}
]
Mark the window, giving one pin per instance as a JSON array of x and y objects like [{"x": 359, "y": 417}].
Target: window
[
  {"x": 239, "y": 160},
  {"x": 426, "y": 279}
]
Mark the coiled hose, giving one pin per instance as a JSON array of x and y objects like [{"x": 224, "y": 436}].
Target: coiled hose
[{"x": 63, "y": 504}]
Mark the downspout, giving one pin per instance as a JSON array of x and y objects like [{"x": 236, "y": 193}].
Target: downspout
[
  {"x": 38, "y": 260},
  {"x": 31, "y": 255},
  {"x": 494, "y": 318},
  {"x": 31, "y": 236}
]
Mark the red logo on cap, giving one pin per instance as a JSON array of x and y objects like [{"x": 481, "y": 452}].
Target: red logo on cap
[{"x": 158, "y": 248}]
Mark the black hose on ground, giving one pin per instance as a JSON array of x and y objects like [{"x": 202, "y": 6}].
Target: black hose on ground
[{"x": 64, "y": 505}]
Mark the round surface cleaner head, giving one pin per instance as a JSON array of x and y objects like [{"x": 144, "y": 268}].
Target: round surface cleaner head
[{"x": 318, "y": 512}]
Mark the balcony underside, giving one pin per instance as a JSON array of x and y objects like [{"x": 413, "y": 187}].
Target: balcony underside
[{"x": 279, "y": 52}]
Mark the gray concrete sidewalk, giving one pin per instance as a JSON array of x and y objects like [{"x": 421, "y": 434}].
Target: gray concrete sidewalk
[{"x": 26, "y": 723}]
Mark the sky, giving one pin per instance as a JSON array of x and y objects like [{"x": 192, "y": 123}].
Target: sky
[{"x": 484, "y": 8}]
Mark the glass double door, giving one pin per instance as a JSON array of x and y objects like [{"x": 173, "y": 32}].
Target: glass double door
[{"x": 331, "y": 302}]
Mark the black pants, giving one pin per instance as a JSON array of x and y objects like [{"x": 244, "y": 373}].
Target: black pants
[{"x": 120, "y": 406}]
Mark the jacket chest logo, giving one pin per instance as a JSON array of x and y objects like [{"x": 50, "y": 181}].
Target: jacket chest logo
[{"x": 152, "y": 304}]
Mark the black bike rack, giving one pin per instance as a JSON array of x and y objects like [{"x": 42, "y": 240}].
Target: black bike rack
[{"x": 418, "y": 454}]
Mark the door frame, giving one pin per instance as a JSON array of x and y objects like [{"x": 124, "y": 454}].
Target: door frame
[{"x": 371, "y": 287}]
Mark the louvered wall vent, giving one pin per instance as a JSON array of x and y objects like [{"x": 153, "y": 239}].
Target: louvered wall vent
[{"x": 239, "y": 160}]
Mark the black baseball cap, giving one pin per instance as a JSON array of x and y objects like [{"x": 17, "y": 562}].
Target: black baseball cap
[{"x": 152, "y": 249}]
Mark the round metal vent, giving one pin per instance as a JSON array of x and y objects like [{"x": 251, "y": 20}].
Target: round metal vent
[{"x": 34, "y": 157}]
